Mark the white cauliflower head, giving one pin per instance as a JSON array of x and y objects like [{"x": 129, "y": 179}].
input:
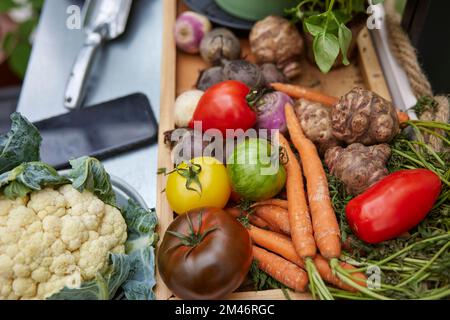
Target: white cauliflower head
[{"x": 55, "y": 238}]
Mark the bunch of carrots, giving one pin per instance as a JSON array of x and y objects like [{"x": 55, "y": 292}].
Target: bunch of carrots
[{"x": 297, "y": 241}]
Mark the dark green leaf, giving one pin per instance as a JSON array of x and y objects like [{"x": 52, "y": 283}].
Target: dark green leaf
[
  {"x": 345, "y": 38},
  {"x": 141, "y": 237},
  {"x": 326, "y": 50},
  {"x": 341, "y": 16},
  {"x": 26, "y": 28},
  {"x": 28, "y": 177},
  {"x": 359, "y": 5},
  {"x": 89, "y": 174},
  {"x": 21, "y": 144},
  {"x": 141, "y": 279},
  {"x": 8, "y": 43},
  {"x": 18, "y": 59},
  {"x": 105, "y": 284},
  {"x": 37, "y": 4},
  {"x": 141, "y": 224},
  {"x": 7, "y": 5}
]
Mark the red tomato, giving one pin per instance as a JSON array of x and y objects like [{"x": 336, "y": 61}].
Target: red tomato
[
  {"x": 394, "y": 205},
  {"x": 224, "y": 106}
]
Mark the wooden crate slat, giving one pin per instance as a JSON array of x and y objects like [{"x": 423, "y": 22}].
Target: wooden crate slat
[{"x": 180, "y": 72}]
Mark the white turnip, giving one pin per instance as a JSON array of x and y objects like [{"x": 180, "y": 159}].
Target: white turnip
[
  {"x": 190, "y": 29},
  {"x": 185, "y": 106}
]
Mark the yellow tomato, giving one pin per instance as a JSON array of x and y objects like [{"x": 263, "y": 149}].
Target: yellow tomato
[{"x": 202, "y": 182}]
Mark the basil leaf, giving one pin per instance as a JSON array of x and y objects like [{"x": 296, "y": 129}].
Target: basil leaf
[
  {"x": 341, "y": 16},
  {"x": 28, "y": 177},
  {"x": 88, "y": 173},
  {"x": 21, "y": 144},
  {"x": 105, "y": 284},
  {"x": 326, "y": 50},
  {"x": 345, "y": 39},
  {"x": 315, "y": 24}
]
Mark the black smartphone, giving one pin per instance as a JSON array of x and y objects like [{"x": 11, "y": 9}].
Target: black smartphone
[{"x": 100, "y": 131}]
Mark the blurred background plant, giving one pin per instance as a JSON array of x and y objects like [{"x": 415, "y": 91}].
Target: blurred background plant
[{"x": 18, "y": 20}]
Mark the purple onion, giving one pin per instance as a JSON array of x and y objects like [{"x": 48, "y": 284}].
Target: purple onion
[
  {"x": 190, "y": 28},
  {"x": 270, "y": 110}
]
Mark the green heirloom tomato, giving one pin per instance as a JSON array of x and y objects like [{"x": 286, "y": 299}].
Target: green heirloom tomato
[{"x": 255, "y": 170}]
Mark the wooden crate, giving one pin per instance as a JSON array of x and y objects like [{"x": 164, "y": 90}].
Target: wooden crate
[{"x": 180, "y": 72}]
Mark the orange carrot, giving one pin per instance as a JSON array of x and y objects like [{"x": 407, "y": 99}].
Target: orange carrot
[
  {"x": 325, "y": 225},
  {"x": 274, "y": 202},
  {"x": 327, "y": 274},
  {"x": 298, "y": 212},
  {"x": 299, "y": 92},
  {"x": 282, "y": 246},
  {"x": 255, "y": 220},
  {"x": 402, "y": 117},
  {"x": 280, "y": 269},
  {"x": 275, "y": 216},
  {"x": 360, "y": 275},
  {"x": 276, "y": 243}
]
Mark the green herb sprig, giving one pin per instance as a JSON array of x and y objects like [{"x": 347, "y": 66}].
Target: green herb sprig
[
  {"x": 327, "y": 22},
  {"x": 416, "y": 266}
]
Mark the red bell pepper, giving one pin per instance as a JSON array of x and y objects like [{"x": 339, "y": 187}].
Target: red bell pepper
[{"x": 394, "y": 205}]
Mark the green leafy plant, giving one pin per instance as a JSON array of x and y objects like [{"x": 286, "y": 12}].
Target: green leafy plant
[
  {"x": 16, "y": 44},
  {"x": 327, "y": 22},
  {"x": 89, "y": 173},
  {"x": 20, "y": 144}
]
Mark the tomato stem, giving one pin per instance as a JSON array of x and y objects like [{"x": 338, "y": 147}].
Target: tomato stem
[
  {"x": 190, "y": 173},
  {"x": 194, "y": 237}
]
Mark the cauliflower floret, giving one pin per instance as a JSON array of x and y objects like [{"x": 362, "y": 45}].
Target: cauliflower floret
[
  {"x": 63, "y": 264},
  {"x": 24, "y": 287},
  {"x": 47, "y": 202},
  {"x": 10, "y": 235},
  {"x": 53, "y": 239},
  {"x": 21, "y": 271},
  {"x": 32, "y": 246},
  {"x": 21, "y": 217},
  {"x": 92, "y": 257},
  {"x": 52, "y": 286},
  {"x": 5, "y": 289},
  {"x": 6, "y": 204},
  {"x": 84, "y": 203},
  {"x": 52, "y": 224},
  {"x": 41, "y": 274},
  {"x": 114, "y": 224},
  {"x": 11, "y": 250},
  {"x": 6, "y": 267},
  {"x": 58, "y": 248},
  {"x": 73, "y": 232}
]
